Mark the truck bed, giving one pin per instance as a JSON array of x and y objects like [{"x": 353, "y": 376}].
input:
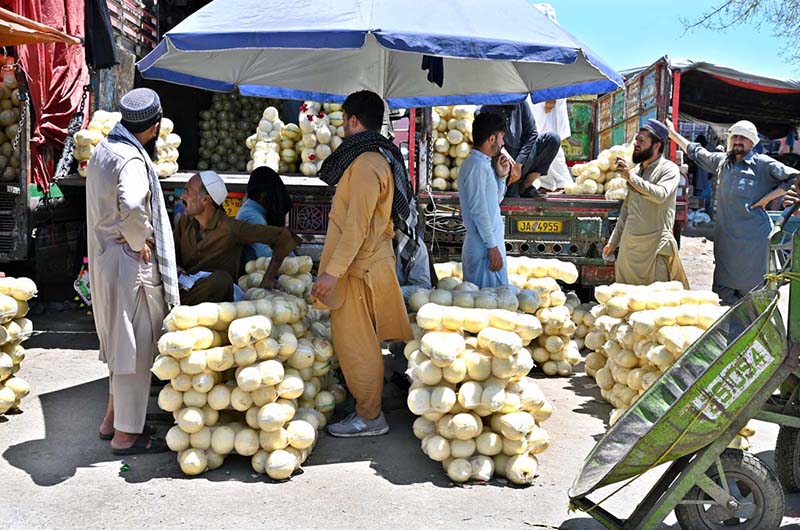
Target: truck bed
[{"x": 568, "y": 227}]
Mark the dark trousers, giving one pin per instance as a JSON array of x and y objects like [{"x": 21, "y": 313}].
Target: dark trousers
[
  {"x": 542, "y": 155},
  {"x": 215, "y": 288}
]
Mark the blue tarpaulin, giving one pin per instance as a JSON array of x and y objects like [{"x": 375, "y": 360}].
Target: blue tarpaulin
[{"x": 491, "y": 52}]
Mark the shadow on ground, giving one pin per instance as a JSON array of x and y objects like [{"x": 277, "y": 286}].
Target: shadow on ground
[
  {"x": 585, "y": 386},
  {"x": 72, "y": 416},
  {"x": 70, "y": 330}
]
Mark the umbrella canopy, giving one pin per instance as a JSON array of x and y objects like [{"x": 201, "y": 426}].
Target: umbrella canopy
[
  {"x": 326, "y": 49},
  {"x": 16, "y": 30}
]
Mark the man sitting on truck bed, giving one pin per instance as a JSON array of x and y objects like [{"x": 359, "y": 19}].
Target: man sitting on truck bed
[
  {"x": 480, "y": 190},
  {"x": 648, "y": 251},
  {"x": 530, "y": 152},
  {"x": 208, "y": 243}
]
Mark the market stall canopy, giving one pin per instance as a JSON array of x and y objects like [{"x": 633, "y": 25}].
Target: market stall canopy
[
  {"x": 715, "y": 94},
  {"x": 326, "y": 49},
  {"x": 16, "y": 30}
]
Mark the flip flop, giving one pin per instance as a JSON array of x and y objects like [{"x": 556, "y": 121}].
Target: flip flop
[
  {"x": 530, "y": 193},
  {"x": 140, "y": 446},
  {"x": 148, "y": 430}
]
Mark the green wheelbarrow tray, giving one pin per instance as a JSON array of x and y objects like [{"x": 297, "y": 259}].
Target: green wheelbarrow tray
[{"x": 696, "y": 399}]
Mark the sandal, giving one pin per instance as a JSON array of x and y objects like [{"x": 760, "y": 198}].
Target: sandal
[
  {"x": 148, "y": 430},
  {"x": 144, "y": 444},
  {"x": 530, "y": 193}
]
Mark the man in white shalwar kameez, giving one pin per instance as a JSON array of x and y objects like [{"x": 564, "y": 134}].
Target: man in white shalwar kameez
[{"x": 131, "y": 267}]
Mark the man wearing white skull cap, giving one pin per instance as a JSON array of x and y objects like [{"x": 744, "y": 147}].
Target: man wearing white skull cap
[
  {"x": 209, "y": 244},
  {"x": 747, "y": 183}
]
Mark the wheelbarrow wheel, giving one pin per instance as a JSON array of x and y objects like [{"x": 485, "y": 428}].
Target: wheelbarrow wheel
[
  {"x": 751, "y": 482},
  {"x": 787, "y": 458}
]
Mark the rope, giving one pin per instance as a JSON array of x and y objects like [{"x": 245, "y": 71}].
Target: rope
[{"x": 780, "y": 277}]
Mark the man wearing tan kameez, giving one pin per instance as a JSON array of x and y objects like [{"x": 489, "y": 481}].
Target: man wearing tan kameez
[
  {"x": 131, "y": 267},
  {"x": 357, "y": 278},
  {"x": 648, "y": 251}
]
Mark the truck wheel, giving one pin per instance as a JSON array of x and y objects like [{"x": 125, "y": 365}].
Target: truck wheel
[
  {"x": 751, "y": 482},
  {"x": 787, "y": 458},
  {"x": 676, "y": 231}
]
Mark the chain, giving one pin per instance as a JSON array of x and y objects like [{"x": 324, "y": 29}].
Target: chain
[
  {"x": 86, "y": 90},
  {"x": 74, "y": 126},
  {"x": 23, "y": 111}
]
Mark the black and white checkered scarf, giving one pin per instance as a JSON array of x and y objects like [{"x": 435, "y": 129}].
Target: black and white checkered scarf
[{"x": 404, "y": 207}]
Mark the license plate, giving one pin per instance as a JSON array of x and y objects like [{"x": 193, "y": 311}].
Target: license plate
[
  {"x": 231, "y": 206},
  {"x": 539, "y": 226}
]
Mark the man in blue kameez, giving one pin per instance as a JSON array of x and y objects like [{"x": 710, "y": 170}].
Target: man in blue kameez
[
  {"x": 481, "y": 187},
  {"x": 747, "y": 183}
]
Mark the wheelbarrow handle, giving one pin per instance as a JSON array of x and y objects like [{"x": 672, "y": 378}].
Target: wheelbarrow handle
[{"x": 787, "y": 213}]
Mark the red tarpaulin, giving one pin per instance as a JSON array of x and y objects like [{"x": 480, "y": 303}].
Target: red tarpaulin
[{"x": 56, "y": 75}]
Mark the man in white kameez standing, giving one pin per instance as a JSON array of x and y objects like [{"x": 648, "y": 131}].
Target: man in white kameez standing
[{"x": 131, "y": 267}]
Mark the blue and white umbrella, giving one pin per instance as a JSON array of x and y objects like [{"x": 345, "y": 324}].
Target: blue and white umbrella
[{"x": 480, "y": 51}]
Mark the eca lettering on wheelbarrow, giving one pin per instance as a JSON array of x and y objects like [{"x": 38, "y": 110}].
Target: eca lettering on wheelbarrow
[{"x": 732, "y": 381}]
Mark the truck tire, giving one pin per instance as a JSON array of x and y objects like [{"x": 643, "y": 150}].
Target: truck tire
[
  {"x": 787, "y": 458},
  {"x": 676, "y": 231},
  {"x": 751, "y": 482}
]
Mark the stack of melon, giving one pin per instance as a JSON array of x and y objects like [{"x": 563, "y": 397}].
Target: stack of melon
[
  {"x": 599, "y": 176},
  {"x": 321, "y": 130},
  {"x": 14, "y": 329},
  {"x": 266, "y": 143},
  {"x": 166, "y": 162},
  {"x": 480, "y": 415},
  {"x": 224, "y": 128},
  {"x": 9, "y": 126},
  {"x": 95, "y": 132},
  {"x": 294, "y": 275},
  {"x": 638, "y": 332},
  {"x": 452, "y": 143},
  {"x": 557, "y": 352},
  {"x": 249, "y": 378}
]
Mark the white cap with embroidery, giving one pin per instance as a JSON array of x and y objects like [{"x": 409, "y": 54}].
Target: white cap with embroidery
[{"x": 214, "y": 186}]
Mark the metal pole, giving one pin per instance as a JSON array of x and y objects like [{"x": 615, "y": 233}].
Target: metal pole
[{"x": 676, "y": 102}]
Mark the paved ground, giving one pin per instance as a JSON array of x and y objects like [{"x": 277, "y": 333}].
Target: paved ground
[{"x": 58, "y": 474}]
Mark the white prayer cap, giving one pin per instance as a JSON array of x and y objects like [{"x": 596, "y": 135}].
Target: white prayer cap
[
  {"x": 744, "y": 128},
  {"x": 214, "y": 186}
]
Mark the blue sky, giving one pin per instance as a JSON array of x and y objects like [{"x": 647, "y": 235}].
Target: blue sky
[{"x": 630, "y": 33}]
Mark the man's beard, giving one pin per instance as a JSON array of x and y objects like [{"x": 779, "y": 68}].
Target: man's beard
[
  {"x": 150, "y": 148},
  {"x": 737, "y": 149},
  {"x": 642, "y": 155}
]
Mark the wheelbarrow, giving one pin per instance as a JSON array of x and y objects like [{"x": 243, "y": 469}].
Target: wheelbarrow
[{"x": 743, "y": 367}]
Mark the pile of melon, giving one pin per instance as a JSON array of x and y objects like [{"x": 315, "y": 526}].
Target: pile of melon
[{"x": 14, "y": 329}]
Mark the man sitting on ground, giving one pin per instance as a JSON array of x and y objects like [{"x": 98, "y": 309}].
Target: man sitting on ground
[{"x": 208, "y": 243}]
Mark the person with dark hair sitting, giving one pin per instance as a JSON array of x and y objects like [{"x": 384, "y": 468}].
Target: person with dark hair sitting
[
  {"x": 208, "y": 243},
  {"x": 268, "y": 203},
  {"x": 480, "y": 191}
]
